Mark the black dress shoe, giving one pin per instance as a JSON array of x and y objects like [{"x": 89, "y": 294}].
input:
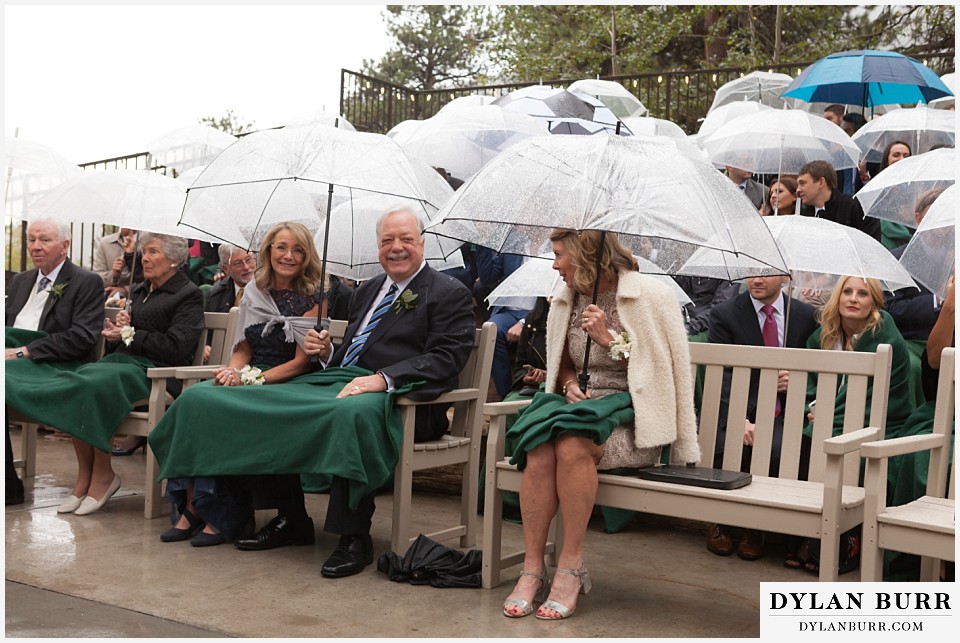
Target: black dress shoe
[
  {"x": 175, "y": 534},
  {"x": 279, "y": 532},
  {"x": 352, "y": 554}
]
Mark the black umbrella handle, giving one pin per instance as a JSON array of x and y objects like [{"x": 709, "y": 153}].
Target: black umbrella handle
[
  {"x": 315, "y": 359},
  {"x": 583, "y": 378}
]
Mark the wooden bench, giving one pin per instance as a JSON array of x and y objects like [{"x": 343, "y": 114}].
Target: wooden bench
[
  {"x": 927, "y": 526},
  {"x": 223, "y": 328},
  {"x": 824, "y": 506}
]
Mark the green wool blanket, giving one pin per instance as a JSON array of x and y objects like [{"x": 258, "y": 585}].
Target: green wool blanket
[
  {"x": 88, "y": 401},
  {"x": 296, "y": 426},
  {"x": 549, "y": 415}
]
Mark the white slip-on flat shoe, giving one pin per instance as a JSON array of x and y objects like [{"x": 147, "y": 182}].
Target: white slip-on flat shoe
[
  {"x": 91, "y": 504},
  {"x": 68, "y": 506}
]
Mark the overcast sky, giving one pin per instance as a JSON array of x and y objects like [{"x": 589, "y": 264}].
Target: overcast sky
[{"x": 95, "y": 82}]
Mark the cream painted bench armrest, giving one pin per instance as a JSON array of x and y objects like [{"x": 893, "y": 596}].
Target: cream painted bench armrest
[
  {"x": 850, "y": 442},
  {"x": 901, "y": 446}
]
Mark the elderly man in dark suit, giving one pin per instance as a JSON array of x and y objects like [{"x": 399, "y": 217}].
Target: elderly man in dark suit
[
  {"x": 59, "y": 298},
  {"x": 429, "y": 343},
  {"x": 755, "y": 318}
]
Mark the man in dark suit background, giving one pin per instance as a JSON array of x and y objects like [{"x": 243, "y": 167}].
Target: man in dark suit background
[
  {"x": 413, "y": 324},
  {"x": 238, "y": 266},
  {"x": 59, "y": 298},
  {"x": 741, "y": 321}
]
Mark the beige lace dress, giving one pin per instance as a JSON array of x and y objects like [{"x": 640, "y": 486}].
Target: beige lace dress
[{"x": 607, "y": 377}]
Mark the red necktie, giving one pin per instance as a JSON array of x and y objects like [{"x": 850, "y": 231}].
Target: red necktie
[{"x": 771, "y": 337}]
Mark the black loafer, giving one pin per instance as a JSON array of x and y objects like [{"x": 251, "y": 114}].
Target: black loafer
[
  {"x": 279, "y": 532},
  {"x": 352, "y": 554}
]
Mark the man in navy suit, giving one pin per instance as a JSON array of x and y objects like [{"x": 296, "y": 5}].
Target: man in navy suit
[
  {"x": 412, "y": 324},
  {"x": 59, "y": 298},
  {"x": 741, "y": 321}
]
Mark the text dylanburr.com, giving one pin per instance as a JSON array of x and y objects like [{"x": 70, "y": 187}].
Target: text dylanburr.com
[{"x": 905, "y": 611}]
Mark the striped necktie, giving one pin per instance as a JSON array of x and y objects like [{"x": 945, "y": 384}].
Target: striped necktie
[{"x": 353, "y": 353}]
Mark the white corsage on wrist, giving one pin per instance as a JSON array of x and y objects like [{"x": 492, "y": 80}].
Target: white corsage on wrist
[
  {"x": 251, "y": 376},
  {"x": 127, "y": 333},
  {"x": 620, "y": 347}
]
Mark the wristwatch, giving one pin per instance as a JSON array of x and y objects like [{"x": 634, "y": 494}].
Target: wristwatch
[{"x": 20, "y": 354}]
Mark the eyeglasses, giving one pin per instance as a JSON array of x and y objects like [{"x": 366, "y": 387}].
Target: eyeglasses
[
  {"x": 282, "y": 249},
  {"x": 240, "y": 263}
]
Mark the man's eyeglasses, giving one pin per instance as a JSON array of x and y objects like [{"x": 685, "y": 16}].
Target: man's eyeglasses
[
  {"x": 283, "y": 249},
  {"x": 240, "y": 263}
]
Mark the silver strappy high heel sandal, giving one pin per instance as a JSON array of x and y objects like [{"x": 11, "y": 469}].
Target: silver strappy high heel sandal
[
  {"x": 527, "y": 608},
  {"x": 565, "y": 612}
]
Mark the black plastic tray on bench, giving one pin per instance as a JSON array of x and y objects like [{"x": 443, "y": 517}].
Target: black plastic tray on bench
[{"x": 693, "y": 476}]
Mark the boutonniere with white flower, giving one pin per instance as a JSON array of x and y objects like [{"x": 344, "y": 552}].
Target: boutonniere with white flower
[
  {"x": 127, "y": 333},
  {"x": 251, "y": 376},
  {"x": 56, "y": 290},
  {"x": 407, "y": 300},
  {"x": 620, "y": 347}
]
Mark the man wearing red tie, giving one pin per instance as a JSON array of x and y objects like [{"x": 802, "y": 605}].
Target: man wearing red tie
[{"x": 755, "y": 318}]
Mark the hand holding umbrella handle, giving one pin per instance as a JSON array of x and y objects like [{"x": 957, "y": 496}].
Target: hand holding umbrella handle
[{"x": 322, "y": 324}]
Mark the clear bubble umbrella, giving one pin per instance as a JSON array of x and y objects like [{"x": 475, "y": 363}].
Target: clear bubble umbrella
[
  {"x": 817, "y": 253},
  {"x": 462, "y": 140},
  {"x": 920, "y": 127},
  {"x": 950, "y": 80},
  {"x": 551, "y": 103},
  {"x": 537, "y": 278},
  {"x": 320, "y": 117},
  {"x": 650, "y": 126},
  {"x": 31, "y": 170},
  {"x": 135, "y": 199},
  {"x": 471, "y": 100},
  {"x": 777, "y": 141},
  {"x": 893, "y": 194},
  {"x": 615, "y": 96},
  {"x": 726, "y": 113},
  {"x": 931, "y": 254},
  {"x": 188, "y": 147},
  {"x": 634, "y": 187},
  {"x": 759, "y": 86}
]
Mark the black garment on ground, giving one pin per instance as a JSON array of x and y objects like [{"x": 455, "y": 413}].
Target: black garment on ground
[{"x": 427, "y": 562}]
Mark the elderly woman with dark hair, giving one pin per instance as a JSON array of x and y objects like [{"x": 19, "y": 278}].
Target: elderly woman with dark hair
[
  {"x": 161, "y": 328},
  {"x": 639, "y": 398}
]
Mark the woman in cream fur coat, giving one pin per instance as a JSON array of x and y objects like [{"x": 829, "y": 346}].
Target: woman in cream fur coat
[{"x": 561, "y": 473}]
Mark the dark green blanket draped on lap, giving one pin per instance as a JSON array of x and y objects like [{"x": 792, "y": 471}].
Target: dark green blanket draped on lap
[
  {"x": 550, "y": 415},
  {"x": 293, "y": 427},
  {"x": 88, "y": 401}
]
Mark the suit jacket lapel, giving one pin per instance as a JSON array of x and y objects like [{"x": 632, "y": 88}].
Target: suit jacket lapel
[
  {"x": 362, "y": 307},
  {"x": 62, "y": 278},
  {"x": 419, "y": 287},
  {"x": 749, "y": 320}
]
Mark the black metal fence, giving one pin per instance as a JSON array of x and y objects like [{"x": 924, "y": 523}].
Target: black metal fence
[{"x": 374, "y": 105}]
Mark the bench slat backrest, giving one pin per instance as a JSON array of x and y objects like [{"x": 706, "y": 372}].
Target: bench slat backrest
[
  {"x": 943, "y": 419},
  {"x": 831, "y": 368}
]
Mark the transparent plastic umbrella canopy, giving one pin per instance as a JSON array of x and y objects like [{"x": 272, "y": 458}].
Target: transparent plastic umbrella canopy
[
  {"x": 818, "y": 252},
  {"x": 632, "y": 186},
  {"x": 353, "y": 249},
  {"x": 188, "y": 147},
  {"x": 759, "y": 86},
  {"x": 320, "y": 117},
  {"x": 293, "y": 173},
  {"x": 931, "y": 254},
  {"x": 31, "y": 170},
  {"x": 650, "y": 126},
  {"x": 950, "y": 80},
  {"x": 920, "y": 127},
  {"x": 462, "y": 140},
  {"x": 615, "y": 96},
  {"x": 471, "y": 100},
  {"x": 894, "y": 192},
  {"x": 136, "y": 199},
  {"x": 551, "y": 103},
  {"x": 726, "y": 113},
  {"x": 778, "y": 141},
  {"x": 537, "y": 278}
]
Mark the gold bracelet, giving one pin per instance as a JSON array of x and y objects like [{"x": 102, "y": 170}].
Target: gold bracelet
[{"x": 567, "y": 382}]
